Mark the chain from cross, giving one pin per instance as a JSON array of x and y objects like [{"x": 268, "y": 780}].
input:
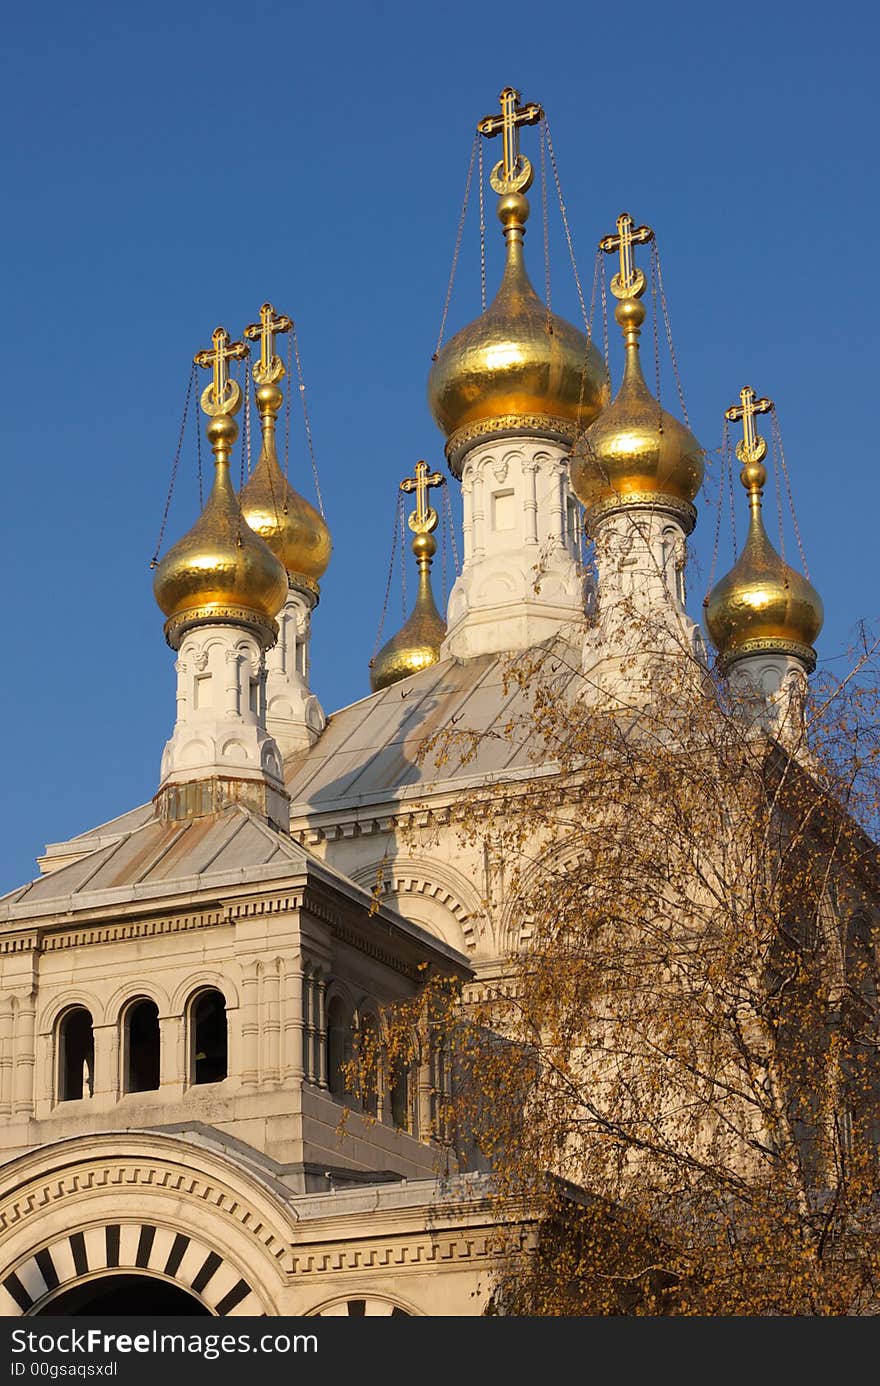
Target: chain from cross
[
  {"x": 751, "y": 447},
  {"x": 270, "y": 367},
  {"x": 513, "y": 172},
  {"x": 424, "y": 518},
  {"x": 222, "y": 396},
  {"x": 630, "y": 282}
]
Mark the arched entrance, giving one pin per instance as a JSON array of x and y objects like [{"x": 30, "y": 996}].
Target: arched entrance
[{"x": 133, "y": 1295}]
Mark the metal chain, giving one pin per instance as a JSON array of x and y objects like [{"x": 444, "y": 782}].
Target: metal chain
[
  {"x": 777, "y": 432},
  {"x": 599, "y": 256},
  {"x": 199, "y": 459},
  {"x": 656, "y": 334},
  {"x": 443, "y": 555},
  {"x": 192, "y": 375},
  {"x": 305, "y": 409},
  {"x": 245, "y": 444},
  {"x": 451, "y": 525},
  {"x": 718, "y": 504},
  {"x": 655, "y": 256},
  {"x": 287, "y": 405},
  {"x": 546, "y": 223},
  {"x": 604, "y": 286},
  {"x": 777, "y": 487},
  {"x": 482, "y": 235},
  {"x": 731, "y": 498},
  {"x": 387, "y": 584},
  {"x": 402, "y": 522},
  {"x": 464, "y": 207},
  {"x": 246, "y": 431},
  {"x": 577, "y": 279}
]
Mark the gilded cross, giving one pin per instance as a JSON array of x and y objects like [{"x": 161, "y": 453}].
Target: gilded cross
[
  {"x": 424, "y": 518},
  {"x": 269, "y": 367},
  {"x": 750, "y": 448},
  {"x": 513, "y": 173},
  {"x": 630, "y": 282},
  {"x": 223, "y": 395}
]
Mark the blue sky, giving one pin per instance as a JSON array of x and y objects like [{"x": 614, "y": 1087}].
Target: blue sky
[{"x": 170, "y": 167}]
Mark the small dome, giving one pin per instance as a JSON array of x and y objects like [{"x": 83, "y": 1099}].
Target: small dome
[
  {"x": 293, "y": 529},
  {"x": 517, "y": 365},
  {"x": 417, "y": 645},
  {"x": 635, "y": 448},
  {"x": 762, "y": 605},
  {"x": 220, "y": 570}
]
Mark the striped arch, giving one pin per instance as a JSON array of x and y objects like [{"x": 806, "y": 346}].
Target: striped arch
[
  {"x": 144, "y": 1248},
  {"x": 427, "y": 891},
  {"x": 361, "y": 1306}
]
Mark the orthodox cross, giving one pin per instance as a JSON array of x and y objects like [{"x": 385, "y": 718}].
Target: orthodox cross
[
  {"x": 270, "y": 367},
  {"x": 223, "y": 395},
  {"x": 513, "y": 173},
  {"x": 630, "y": 282},
  {"x": 424, "y": 517},
  {"x": 750, "y": 448}
]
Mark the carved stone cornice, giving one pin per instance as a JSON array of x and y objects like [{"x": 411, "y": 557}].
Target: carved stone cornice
[{"x": 550, "y": 426}]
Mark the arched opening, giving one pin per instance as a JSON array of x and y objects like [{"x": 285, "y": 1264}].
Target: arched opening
[
  {"x": 369, "y": 1040},
  {"x": 339, "y": 1047},
  {"x": 209, "y": 1039},
  {"x": 134, "y": 1295},
  {"x": 76, "y": 1055},
  {"x": 141, "y": 1047},
  {"x": 400, "y": 1104},
  {"x": 861, "y": 1020}
]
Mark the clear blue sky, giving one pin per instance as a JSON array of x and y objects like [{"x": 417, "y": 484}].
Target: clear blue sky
[{"x": 170, "y": 166}]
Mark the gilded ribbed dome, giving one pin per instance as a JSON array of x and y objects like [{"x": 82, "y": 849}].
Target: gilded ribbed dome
[
  {"x": 220, "y": 570},
  {"x": 762, "y": 605},
  {"x": 635, "y": 450},
  {"x": 293, "y": 529},
  {"x": 416, "y": 645},
  {"x": 516, "y": 366}
]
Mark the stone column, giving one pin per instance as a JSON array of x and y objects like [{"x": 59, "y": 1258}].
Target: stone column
[
  {"x": 23, "y": 1100},
  {"x": 271, "y": 1022},
  {"x": 322, "y": 1032},
  {"x": 6, "y": 1059},
  {"x": 293, "y": 1064},
  {"x": 250, "y": 1026}
]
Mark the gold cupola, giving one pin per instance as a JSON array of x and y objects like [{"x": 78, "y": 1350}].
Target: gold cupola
[
  {"x": 417, "y": 645},
  {"x": 762, "y": 606},
  {"x": 635, "y": 453},
  {"x": 221, "y": 571},
  {"x": 518, "y": 369},
  {"x": 293, "y": 529}
]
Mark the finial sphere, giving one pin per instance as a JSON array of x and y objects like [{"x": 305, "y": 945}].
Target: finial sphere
[
  {"x": 424, "y": 546},
  {"x": 754, "y": 475},
  {"x": 630, "y": 312},
  {"x": 269, "y": 395},
  {"x": 222, "y": 429},
  {"x": 513, "y": 209}
]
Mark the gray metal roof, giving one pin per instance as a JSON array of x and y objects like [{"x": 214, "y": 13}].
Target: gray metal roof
[
  {"x": 157, "y": 857},
  {"x": 369, "y": 752}
]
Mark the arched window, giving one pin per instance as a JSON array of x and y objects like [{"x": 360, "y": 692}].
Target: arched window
[
  {"x": 141, "y": 1047},
  {"x": 399, "y": 1102},
  {"x": 369, "y": 1030},
  {"x": 76, "y": 1055},
  {"x": 209, "y": 1046},
  {"x": 338, "y": 1045}
]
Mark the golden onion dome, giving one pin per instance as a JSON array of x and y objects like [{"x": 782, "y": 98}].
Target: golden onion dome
[
  {"x": 762, "y": 605},
  {"x": 220, "y": 570},
  {"x": 518, "y": 367},
  {"x": 417, "y": 645},
  {"x": 293, "y": 529},
  {"x": 635, "y": 452}
]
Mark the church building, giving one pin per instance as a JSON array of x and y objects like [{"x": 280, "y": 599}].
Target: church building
[{"x": 181, "y": 987}]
